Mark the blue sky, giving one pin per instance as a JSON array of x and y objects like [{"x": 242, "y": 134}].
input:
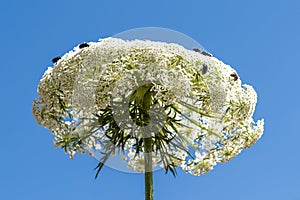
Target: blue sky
[{"x": 259, "y": 38}]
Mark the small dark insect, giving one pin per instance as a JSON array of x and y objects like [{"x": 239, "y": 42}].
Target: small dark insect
[
  {"x": 204, "y": 69},
  {"x": 54, "y": 60},
  {"x": 206, "y": 53},
  {"x": 235, "y": 76},
  {"x": 83, "y": 45},
  {"x": 197, "y": 50}
]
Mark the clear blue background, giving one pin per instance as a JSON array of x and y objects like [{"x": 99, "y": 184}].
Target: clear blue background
[{"x": 260, "y": 38}]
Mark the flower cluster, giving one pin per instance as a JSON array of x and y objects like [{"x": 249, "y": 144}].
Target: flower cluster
[{"x": 113, "y": 94}]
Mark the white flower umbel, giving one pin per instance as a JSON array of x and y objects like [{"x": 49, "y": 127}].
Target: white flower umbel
[{"x": 114, "y": 93}]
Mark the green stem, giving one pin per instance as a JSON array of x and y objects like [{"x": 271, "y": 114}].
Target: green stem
[
  {"x": 148, "y": 169},
  {"x": 143, "y": 97}
]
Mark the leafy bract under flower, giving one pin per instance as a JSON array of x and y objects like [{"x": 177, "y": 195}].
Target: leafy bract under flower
[{"x": 110, "y": 96}]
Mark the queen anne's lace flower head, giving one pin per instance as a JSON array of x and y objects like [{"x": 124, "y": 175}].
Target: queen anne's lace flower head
[{"x": 114, "y": 93}]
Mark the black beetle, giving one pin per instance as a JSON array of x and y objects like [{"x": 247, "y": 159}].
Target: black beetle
[
  {"x": 83, "y": 45},
  {"x": 54, "y": 60}
]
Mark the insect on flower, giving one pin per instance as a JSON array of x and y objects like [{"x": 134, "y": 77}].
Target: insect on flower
[
  {"x": 235, "y": 76},
  {"x": 204, "y": 69},
  {"x": 83, "y": 45},
  {"x": 206, "y": 53},
  {"x": 202, "y": 52},
  {"x": 56, "y": 59}
]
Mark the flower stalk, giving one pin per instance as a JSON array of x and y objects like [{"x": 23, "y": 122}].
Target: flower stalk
[
  {"x": 148, "y": 169},
  {"x": 144, "y": 99}
]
